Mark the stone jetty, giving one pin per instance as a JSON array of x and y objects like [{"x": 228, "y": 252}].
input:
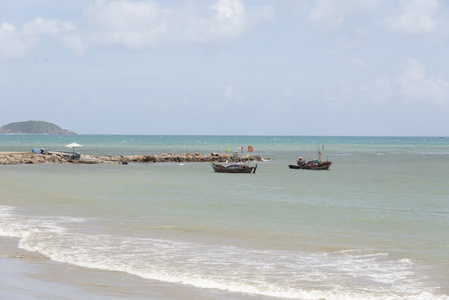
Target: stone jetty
[{"x": 11, "y": 158}]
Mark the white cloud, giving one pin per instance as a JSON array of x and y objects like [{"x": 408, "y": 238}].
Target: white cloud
[
  {"x": 229, "y": 14},
  {"x": 139, "y": 24},
  {"x": 329, "y": 15},
  {"x": 41, "y": 26},
  {"x": 416, "y": 17},
  {"x": 132, "y": 24},
  {"x": 415, "y": 85},
  {"x": 15, "y": 44},
  {"x": 64, "y": 32}
]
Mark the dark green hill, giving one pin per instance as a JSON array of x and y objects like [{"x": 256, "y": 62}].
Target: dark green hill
[{"x": 33, "y": 127}]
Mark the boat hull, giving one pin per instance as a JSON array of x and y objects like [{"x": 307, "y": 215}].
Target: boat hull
[
  {"x": 233, "y": 169},
  {"x": 321, "y": 166}
]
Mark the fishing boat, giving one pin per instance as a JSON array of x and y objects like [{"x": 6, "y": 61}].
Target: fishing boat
[
  {"x": 317, "y": 164},
  {"x": 234, "y": 168},
  {"x": 313, "y": 165}
]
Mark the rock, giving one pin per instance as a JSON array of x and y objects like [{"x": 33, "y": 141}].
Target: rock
[
  {"x": 150, "y": 158},
  {"x": 168, "y": 157},
  {"x": 32, "y": 158}
]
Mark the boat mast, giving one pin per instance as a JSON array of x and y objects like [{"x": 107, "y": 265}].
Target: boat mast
[{"x": 318, "y": 153}]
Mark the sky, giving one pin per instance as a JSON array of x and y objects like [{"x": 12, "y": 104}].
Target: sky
[{"x": 227, "y": 67}]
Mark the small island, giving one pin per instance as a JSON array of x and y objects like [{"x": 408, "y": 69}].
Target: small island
[{"x": 34, "y": 127}]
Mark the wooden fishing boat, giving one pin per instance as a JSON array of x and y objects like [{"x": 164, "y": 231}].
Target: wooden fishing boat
[
  {"x": 235, "y": 168},
  {"x": 325, "y": 165},
  {"x": 318, "y": 164}
]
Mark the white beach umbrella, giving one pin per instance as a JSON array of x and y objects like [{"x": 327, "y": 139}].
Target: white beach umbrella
[{"x": 73, "y": 145}]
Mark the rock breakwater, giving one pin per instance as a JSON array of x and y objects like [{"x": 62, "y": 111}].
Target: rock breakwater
[{"x": 12, "y": 158}]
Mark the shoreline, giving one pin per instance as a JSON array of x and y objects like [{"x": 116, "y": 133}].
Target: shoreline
[
  {"x": 14, "y": 158},
  {"x": 26, "y": 275},
  {"x": 30, "y": 275}
]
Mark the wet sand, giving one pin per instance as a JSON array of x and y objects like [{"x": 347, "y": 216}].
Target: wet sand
[{"x": 27, "y": 275}]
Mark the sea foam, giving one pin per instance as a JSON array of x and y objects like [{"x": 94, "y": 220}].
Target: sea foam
[{"x": 349, "y": 274}]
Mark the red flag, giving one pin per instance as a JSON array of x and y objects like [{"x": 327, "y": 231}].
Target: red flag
[{"x": 250, "y": 148}]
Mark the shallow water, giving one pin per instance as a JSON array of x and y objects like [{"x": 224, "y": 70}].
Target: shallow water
[{"x": 374, "y": 226}]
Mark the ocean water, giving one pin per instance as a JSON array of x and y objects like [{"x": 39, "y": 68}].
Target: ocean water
[{"x": 375, "y": 226}]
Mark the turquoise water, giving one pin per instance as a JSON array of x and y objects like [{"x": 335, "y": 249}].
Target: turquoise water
[
  {"x": 374, "y": 226},
  {"x": 279, "y": 147}
]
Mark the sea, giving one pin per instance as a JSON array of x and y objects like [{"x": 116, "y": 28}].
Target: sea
[{"x": 374, "y": 226}]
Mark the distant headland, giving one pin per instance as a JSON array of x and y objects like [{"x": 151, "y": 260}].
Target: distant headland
[{"x": 33, "y": 127}]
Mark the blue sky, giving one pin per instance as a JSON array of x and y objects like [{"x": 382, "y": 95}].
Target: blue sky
[{"x": 227, "y": 67}]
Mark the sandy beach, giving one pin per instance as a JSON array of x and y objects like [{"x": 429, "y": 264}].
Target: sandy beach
[
  {"x": 20, "y": 279},
  {"x": 28, "y": 275}
]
